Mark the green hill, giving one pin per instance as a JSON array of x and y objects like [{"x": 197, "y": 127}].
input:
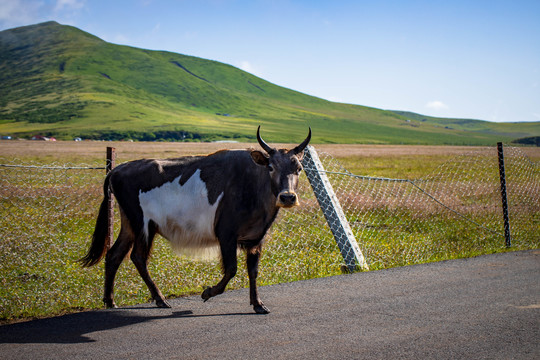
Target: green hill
[{"x": 58, "y": 80}]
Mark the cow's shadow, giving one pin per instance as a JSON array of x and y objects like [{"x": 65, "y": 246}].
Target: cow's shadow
[{"x": 73, "y": 328}]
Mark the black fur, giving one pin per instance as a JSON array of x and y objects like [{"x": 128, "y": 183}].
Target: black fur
[{"x": 250, "y": 183}]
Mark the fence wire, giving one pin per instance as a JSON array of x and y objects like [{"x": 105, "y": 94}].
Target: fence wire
[
  {"x": 454, "y": 212},
  {"x": 48, "y": 215}
]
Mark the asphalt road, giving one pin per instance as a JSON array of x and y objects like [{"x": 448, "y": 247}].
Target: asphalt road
[{"x": 481, "y": 308}]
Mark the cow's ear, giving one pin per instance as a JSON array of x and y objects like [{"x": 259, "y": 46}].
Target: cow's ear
[{"x": 259, "y": 158}]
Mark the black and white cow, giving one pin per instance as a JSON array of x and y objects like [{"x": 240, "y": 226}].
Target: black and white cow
[{"x": 226, "y": 200}]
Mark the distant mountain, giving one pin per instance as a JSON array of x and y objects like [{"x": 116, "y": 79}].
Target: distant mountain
[{"x": 60, "y": 81}]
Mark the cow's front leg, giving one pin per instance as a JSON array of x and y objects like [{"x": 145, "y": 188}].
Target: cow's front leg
[
  {"x": 252, "y": 262},
  {"x": 228, "y": 259}
]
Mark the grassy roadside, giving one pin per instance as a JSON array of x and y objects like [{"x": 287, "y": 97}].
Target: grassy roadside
[{"x": 48, "y": 217}]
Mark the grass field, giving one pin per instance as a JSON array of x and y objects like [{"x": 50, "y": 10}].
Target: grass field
[
  {"x": 48, "y": 217},
  {"x": 413, "y": 161}
]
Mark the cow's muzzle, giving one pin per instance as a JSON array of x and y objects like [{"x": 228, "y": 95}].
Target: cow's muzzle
[{"x": 287, "y": 199}]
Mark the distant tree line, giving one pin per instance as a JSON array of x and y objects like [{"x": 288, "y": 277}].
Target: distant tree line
[
  {"x": 161, "y": 135},
  {"x": 531, "y": 140}
]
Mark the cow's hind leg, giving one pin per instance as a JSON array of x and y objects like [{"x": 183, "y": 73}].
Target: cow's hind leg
[
  {"x": 113, "y": 259},
  {"x": 139, "y": 256}
]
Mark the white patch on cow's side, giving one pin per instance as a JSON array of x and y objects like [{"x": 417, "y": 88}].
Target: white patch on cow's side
[{"x": 183, "y": 215}]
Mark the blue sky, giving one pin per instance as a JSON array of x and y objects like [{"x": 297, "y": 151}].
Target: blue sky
[{"x": 466, "y": 59}]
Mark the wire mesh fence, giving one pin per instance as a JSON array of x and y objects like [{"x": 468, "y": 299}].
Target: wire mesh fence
[
  {"x": 454, "y": 212},
  {"x": 48, "y": 214}
]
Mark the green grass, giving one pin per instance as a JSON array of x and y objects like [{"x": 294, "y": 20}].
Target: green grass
[
  {"x": 48, "y": 217},
  {"x": 58, "y": 80}
]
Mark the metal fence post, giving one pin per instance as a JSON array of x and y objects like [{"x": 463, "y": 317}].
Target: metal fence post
[
  {"x": 332, "y": 211},
  {"x": 111, "y": 162},
  {"x": 503, "y": 195}
]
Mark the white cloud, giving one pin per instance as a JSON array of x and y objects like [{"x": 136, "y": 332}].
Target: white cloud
[
  {"x": 27, "y": 12},
  {"x": 156, "y": 29},
  {"x": 20, "y": 12},
  {"x": 436, "y": 105},
  {"x": 248, "y": 67},
  {"x": 68, "y": 4},
  {"x": 67, "y": 11},
  {"x": 120, "y": 39},
  {"x": 7, "y": 8}
]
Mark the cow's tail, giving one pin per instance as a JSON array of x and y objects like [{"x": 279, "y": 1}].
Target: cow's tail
[{"x": 98, "y": 248}]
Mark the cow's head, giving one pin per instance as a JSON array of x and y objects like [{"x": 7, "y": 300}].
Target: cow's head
[{"x": 284, "y": 167}]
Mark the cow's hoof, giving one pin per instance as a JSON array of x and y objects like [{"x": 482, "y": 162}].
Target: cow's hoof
[
  {"x": 206, "y": 294},
  {"x": 162, "y": 304},
  {"x": 109, "y": 304},
  {"x": 261, "y": 309}
]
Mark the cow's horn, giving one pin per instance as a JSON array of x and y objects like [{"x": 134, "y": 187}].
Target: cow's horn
[
  {"x": 264, "y": 145},
  {"x": 304, "y": 143}
]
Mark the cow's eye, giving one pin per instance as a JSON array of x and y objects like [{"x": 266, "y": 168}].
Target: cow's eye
[{"x": 270, "y": 168}]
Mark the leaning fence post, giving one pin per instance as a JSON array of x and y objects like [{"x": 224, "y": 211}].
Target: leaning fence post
[
  {"x": 503, "y": 195},
  {"x": 332, "y": 211},
  {"x": 111, "y": 161}
]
